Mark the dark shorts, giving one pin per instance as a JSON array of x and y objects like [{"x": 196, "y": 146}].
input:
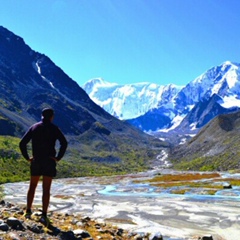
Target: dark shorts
[{"x": 43, "y": 168}]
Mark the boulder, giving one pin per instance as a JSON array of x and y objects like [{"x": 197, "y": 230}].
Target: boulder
[
  {"x": 14, "y": 223},
  {"x": 4, "y": 227},
  {"x": 207, "y": 237}
]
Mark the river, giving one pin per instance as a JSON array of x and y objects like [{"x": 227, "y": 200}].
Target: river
[{"x": 140, "y": 207}]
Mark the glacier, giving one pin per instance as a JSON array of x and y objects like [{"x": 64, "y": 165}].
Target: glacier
[
  {"x": 162, "y": 108},
  {"x": 130, "y": 100}
]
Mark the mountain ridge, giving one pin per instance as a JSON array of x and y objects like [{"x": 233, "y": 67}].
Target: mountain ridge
[
  {"x": 30, "y": 81},
  {"x": 101, "y": 92},
  {"x": 169, "y": 113},
  {"x": 215, "y": 147}
]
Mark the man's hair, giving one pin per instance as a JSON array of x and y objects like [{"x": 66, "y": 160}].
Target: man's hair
[{"x": 47, "y": 113}]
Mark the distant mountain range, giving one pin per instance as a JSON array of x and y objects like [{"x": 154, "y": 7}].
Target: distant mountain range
[
  {"x": 200, "y": 120},
  {"x": 30, "y": 81},
  {"x": 159, "y": 109},
  {"x": 130, "y": 100}
]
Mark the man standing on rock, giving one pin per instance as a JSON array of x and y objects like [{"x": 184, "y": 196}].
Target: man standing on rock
[{"x": 43, "y": 135}]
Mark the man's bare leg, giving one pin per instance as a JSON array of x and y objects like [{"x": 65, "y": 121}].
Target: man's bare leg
[
  {"x": 31, "y": 191},
  {"x": 47, "y": 181}
]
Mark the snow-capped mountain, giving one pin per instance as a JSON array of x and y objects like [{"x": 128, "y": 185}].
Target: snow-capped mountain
[
  {"x": 222, "y": 81},
  {"x": 130, "y": 100},
  {"x": 153, "y": 107}
]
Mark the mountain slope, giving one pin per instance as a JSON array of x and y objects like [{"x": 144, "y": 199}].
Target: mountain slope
[
  {"x": 215, "y": 147},
  {"x": 30, "y": 81}
]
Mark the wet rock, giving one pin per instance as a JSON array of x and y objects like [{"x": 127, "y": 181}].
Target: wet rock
[
  {"x": 156, "y": 236},
  {"x": 14, "y": 223},
  {"x": 97, "y": 226},
  {"x": 86, "y": 219},
  {"x": 79, "y": 224},
  {"x": 206, "y": 238},
  {"x": 4, "y": 227},
  {"x": 35, "y": 228},
  {"x": 120, "y": 232},
  {"x": 67, "y": 236},
  {"x": 81, "y": 233},
  {"x": 85, "y": 234},
  {"x": 8, "y": 204},
  {"x": 141, "y": 236},
  {"x": 227, "y": 186}
]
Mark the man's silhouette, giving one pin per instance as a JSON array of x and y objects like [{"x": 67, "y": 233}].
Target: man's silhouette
[{"x": 43, "y": 135}]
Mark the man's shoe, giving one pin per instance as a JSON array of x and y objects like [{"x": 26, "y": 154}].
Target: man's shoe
[
  {"x": 27, "y": 215},
  {"x": 45, "y": 221}
]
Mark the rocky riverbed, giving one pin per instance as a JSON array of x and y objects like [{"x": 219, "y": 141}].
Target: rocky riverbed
[{"x": 141, "y": 208}]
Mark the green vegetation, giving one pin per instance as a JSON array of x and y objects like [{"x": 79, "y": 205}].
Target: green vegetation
[
  {"x": 181, "y": 183},
  {"x": 215, "y": 147},
  {"x": 1, "y": 192},
  {"x": 13, "y": 167},
  {"x": 110, "y": 159},
  {"x": 221, "y": 162},
  {"x": 184, "y": 177},
  {"x": 190, "y": 180}
]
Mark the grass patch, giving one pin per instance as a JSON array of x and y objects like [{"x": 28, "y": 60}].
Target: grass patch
[
  {"x": 206, "y": 183},
  {"x": 184, "y": 177},
  {"x": 179, "y": 191},
  {"x": 1, "y": 192},
  {"x": 120, "y": 221}
]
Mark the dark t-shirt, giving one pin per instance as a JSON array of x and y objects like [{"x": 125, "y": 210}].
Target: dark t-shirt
[{"x": 44, "y": 135}]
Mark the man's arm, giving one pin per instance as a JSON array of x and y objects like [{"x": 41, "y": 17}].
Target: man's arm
[
  {"x": 23, "y": 144},
  {"x": 63, "y": 145}
]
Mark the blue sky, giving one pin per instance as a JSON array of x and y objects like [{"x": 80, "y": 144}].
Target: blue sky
[{"x": 129, "y": 41}]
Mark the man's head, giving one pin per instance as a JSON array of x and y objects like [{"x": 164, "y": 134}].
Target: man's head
[{"x": 47, "y": 113}]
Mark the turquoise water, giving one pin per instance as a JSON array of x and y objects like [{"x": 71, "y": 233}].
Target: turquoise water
[{"x": 145, "y": 190}]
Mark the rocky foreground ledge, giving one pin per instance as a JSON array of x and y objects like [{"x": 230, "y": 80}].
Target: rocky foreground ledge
[{"x": 13, "y": 225}]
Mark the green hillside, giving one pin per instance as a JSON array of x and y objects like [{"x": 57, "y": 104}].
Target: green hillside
[
  {"x": 109, "y": 159},
  {"x": 215, "y": 147},
  {"x": 13, "y": 166}
]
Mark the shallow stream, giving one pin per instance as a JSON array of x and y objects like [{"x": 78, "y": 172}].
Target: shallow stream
[{"x": 142, "y": 207}]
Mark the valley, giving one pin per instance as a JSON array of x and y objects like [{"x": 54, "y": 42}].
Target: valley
[{"x": 139, "y": 203}]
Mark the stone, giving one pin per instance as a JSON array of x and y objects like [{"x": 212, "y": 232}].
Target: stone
[
  {"x": 206, "y": 238},
  {"x": 120, "y": 232},
  {"x": 86, "y": 219},
  {"x": 78, "y": 231},
  {"x": 227, "y": 186},
  {"x": 14, "y": 223},
  {"x": 9, "y": 205},
  {"x": 4, "y": 227},
  {"x": 156, "y": 236},
  {"x": 35, "y": 228},
  {"x": 97, "y": 226},
  {"x": 79, "y": 224},
  {"x": 140, "y": 236},
  {"x": 81, "y": 233},
  {"x": 67, "y": 236}
]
